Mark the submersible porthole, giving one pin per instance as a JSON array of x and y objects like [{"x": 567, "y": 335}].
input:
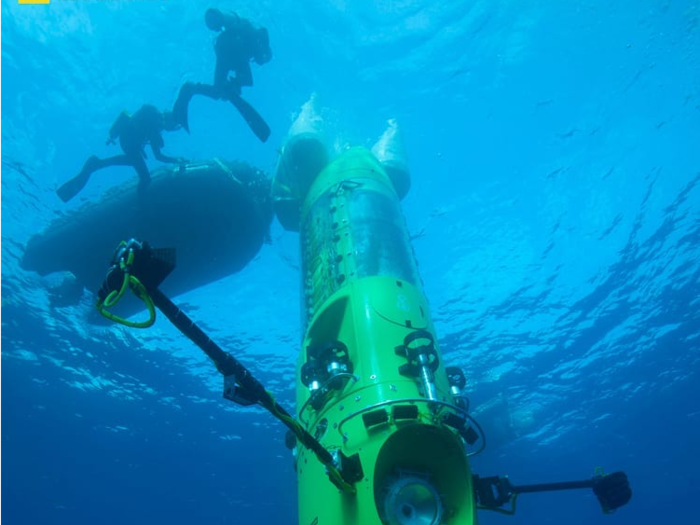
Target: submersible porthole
[{"x": 412, "y": 500}]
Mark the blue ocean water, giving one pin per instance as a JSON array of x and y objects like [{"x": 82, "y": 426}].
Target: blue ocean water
[{"x": 555, "y": 211}]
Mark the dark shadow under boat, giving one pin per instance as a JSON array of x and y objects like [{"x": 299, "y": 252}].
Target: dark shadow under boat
[{"x": 216, "y": 214}]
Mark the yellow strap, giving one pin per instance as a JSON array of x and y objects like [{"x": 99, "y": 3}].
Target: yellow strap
[{"x": 226, "y": 170}]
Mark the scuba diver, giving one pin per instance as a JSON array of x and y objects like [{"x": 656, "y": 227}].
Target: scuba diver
[
  {"x": 238, "y": 43},
  {"x": 134, "y": 132}
]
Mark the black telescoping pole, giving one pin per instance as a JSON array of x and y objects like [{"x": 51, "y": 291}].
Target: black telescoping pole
[
  {"x": 225, "y": 363},
  {"x": 228, "y": 365},
  {"x": 546, "y": 487}
]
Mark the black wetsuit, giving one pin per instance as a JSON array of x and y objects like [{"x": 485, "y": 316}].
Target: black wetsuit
[
  {"x": 238, "y": 43},
  {"x": 143, "y": 127},
  {"x": 235, "y": 48},
  {"x": 134, "y": 132}
]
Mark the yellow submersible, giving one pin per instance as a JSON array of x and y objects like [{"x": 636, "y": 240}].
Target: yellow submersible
[{"x": 371, "y": 384}]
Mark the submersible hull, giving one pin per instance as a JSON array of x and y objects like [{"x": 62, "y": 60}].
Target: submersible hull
[{"x": 371, "y": 384}]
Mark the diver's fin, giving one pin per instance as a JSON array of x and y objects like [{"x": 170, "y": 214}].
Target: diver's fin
[
  {"x": 251, "y": 116},
  {"x": 181, "y": 105},
  {"x": 71, "y": 188}
]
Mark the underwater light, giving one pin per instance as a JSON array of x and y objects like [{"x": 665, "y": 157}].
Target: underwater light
[{"x": 412, "y": 500}]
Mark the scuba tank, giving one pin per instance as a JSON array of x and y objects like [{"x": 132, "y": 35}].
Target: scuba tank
[{"x": 119, "y": 126}]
